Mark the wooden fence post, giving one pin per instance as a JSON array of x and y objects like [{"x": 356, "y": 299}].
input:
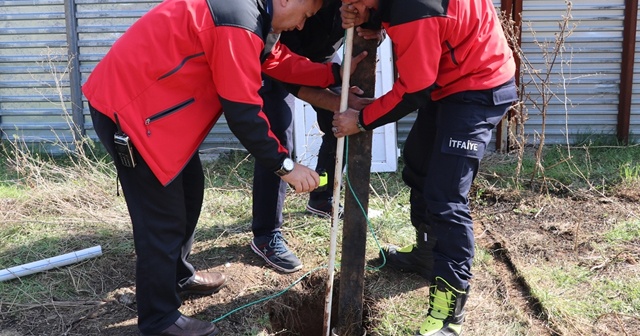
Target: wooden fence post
[{"x": 350, "y": 300}]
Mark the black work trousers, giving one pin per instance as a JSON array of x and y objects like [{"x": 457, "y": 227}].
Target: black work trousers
[
  {"x": 442, "y": 154},
  {"x": 164, "y": 220}
]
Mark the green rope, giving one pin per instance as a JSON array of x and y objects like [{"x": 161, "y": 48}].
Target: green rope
[{"x": 270, "y": 296}]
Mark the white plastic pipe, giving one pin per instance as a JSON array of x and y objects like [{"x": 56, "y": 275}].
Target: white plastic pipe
[
  {"x": 47, "y": 264},
  {"x": 344, "y": 103}
]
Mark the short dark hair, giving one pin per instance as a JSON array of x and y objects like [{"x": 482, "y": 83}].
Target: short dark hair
[{"x": 327, "y": 3}]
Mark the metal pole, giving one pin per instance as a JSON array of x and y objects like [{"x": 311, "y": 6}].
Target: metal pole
[
  {"x": 626, "y": 73},
  {"x": 74, "y": 70}
]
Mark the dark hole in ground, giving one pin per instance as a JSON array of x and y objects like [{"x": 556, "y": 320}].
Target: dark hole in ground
[{"x": 300, "y": 311}]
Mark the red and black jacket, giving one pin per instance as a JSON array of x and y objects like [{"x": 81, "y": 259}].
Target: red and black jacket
[
  {"x": 442, "y": 47},
  {"x": 174, "y": 71}
]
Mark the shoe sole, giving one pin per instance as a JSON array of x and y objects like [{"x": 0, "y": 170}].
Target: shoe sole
[
  {"x": 202, "y": 293},
  {"x": 318, "y": 213},
  {"x": 322, "y": 214},
  {"x": 257, "y": 251}
]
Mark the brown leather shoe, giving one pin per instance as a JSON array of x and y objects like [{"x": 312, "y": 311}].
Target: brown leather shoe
[
  {"x": 187, "y": 326},
  {"x": 204, "y": 283}
]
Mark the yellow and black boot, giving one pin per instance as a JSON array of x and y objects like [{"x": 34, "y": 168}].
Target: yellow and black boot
[
  {"x": 446, "y": 310},
  {"x": 413, "y": 258}
]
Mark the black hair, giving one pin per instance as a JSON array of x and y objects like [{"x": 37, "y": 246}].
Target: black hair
[{"x": 327, "y": 3}]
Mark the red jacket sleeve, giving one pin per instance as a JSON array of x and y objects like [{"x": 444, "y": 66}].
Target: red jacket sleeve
[{"x": 289, "y": 67}]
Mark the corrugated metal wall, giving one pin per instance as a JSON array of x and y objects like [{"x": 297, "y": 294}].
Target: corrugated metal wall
[
  {"x": 35, "y": 94},
  {"x": 585, "y": 77},
  {"x": 34, "y": 91}
]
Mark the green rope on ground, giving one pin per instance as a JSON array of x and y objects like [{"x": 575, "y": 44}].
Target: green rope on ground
[{"x": 270, "y": 296}]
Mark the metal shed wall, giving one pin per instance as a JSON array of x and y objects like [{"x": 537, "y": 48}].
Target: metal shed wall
[
  {"x": 35, "y": 98},
  {"x": 585, "y": 76},
  {"x": 34, "y": 93}
]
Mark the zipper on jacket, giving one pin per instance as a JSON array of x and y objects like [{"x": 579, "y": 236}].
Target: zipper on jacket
[{"x": 167, "y": 112}]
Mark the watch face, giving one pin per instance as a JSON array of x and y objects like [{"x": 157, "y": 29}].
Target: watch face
[{"x": 287, "y": 164}]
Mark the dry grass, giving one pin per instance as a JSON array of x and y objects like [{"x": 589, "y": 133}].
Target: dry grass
[{"x": 528, "y": 245}]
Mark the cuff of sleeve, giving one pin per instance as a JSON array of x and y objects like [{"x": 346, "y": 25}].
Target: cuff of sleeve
[
  {"x": 359, "y": 122},
  {"x": 292, "y": 88},
  {"x": 278, "y": 162},
  {"x": 335, "y": 68}
]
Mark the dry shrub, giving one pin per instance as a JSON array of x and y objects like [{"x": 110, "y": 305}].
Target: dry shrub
[{"x": 75, "y": 183}]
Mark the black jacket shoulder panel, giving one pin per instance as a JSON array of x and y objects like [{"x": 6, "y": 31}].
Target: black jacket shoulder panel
[
  {"x": 251, "y": 15},
  {"x": 238, "y": 13},
  {"x": 397, "y": 12}
]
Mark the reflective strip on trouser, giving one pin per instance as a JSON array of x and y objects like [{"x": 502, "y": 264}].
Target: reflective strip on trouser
[{"x": 442, "y": 154}]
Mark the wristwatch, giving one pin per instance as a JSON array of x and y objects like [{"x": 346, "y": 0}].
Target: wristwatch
[{"x": 285, "y": 168}]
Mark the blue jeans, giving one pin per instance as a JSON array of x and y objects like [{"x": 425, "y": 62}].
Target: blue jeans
[{"x": 269, "y": 190}]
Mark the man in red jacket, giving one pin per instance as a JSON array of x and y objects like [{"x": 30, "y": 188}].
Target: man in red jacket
[
  {"x": 455, "y": 67},
  {"x": 154, "y": 98}
]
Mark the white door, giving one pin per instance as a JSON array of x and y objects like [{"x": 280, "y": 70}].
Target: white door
[{"x": 307, "y": 136}]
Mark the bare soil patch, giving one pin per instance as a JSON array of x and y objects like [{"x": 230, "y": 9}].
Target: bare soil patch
[
  {"x": 518, "y": 228},
  {"x": 527, "y": 230}
]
